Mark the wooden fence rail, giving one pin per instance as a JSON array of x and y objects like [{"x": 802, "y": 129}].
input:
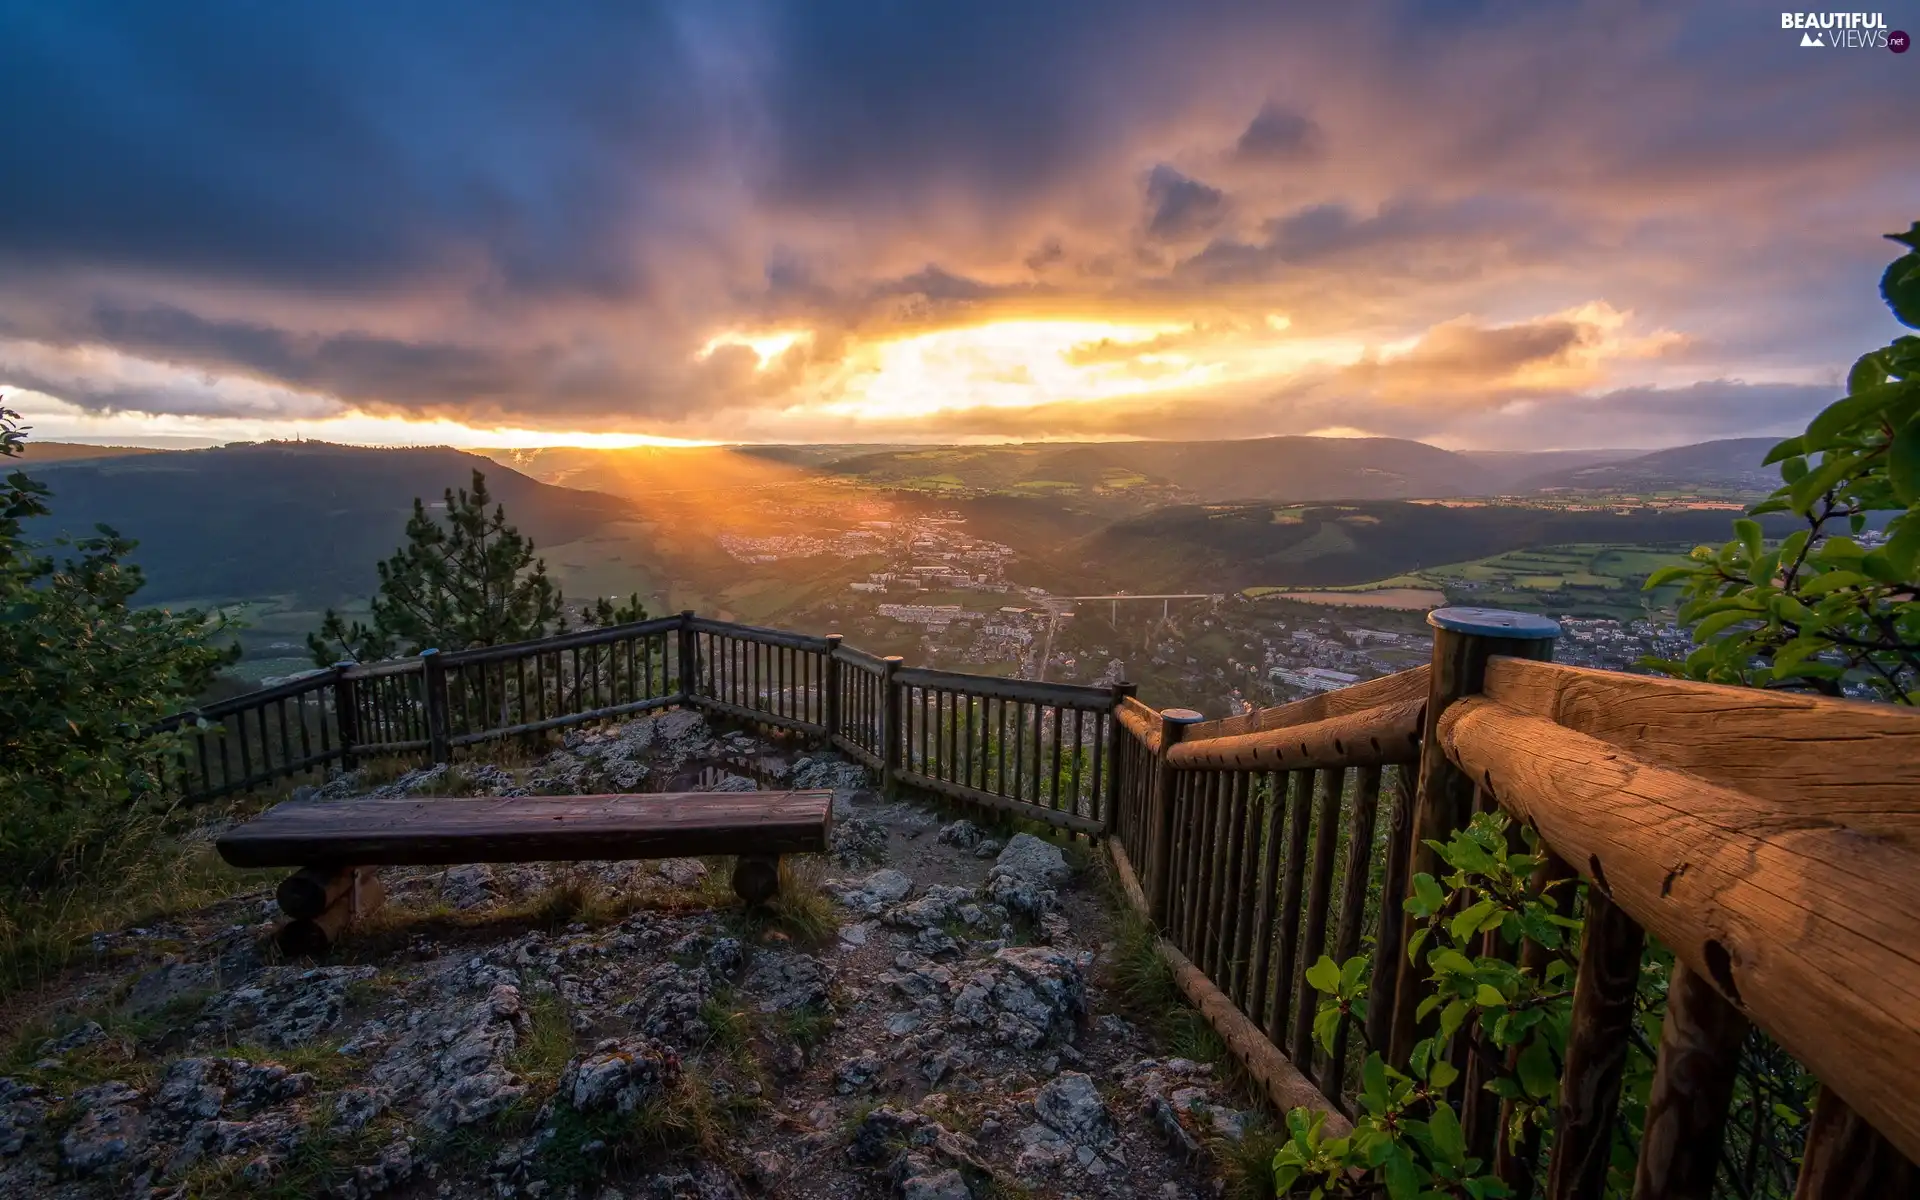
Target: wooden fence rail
[
  {"x": 1040, "y": 750},
  {"x": 1771, "y": 842}
]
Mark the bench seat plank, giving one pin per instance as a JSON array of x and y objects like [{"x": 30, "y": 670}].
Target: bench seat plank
[{"x": 439, "y": 831}]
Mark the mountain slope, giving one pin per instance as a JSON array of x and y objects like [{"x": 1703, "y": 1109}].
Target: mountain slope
[
  {"x": 302, "y": 518},
  {"x": 1219, "y": 548},
  {"x": 1272, "y": 468},
  {"x": 1729, "y": 463},
  {"x": 44, "y": 452}
]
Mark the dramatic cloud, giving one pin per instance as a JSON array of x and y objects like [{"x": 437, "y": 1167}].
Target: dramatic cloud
[{"x": 741, "y": 219}]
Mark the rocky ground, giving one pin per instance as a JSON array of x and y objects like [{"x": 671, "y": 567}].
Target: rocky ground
[{"x": 926, "y": 1013}]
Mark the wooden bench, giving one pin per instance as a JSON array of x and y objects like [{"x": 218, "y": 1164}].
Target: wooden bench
[{"x": 336, "y": 844}]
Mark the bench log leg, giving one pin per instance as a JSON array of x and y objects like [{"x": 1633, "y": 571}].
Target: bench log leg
[
  {"x": 756, "y": 877},
  {"x": 310, "y": 891},
  {"x": 311, "y": 937}
]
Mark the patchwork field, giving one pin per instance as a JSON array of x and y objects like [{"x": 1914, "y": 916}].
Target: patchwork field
[{"x": 1588, "y": 579}]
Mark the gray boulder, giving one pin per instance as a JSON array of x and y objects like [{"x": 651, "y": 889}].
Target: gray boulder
[
  {"x": 620, "y": 1076},
  {"x": 111, "y": 1129}
]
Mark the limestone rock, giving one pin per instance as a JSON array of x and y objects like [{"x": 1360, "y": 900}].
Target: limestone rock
[
  {"x": 282, "y": 1006},
  {"x": 782, "y": 982},
  {"x": 873, "y": 894},
  {"x": 111, "y": 1129},
  {"x": 1071, "y": 1106},
  {"x": 620, "y": 1076}
]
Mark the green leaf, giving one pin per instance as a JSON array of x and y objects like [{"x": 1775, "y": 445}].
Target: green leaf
[
  {"x": 1900, "y": 286},
  {"x": 1449, "y": 1143},
  {"x": 1468, "y": 921},
  {"x": 1324, "y": 976},
  {"x": 1834, "y": 467},
  {"x": 1326, "y": 1023},
  {"x": 1537, "y": 1072},
  {"x": 1403, "y": 1177},
  {"x": 1903, "y": 463},
  {"x": 1443, "y": 1074},
  {"x": 1869, "y": 370},
  {"x": 1488, "y": 996},
  {"x": 1791, "y": 448},
  {"x": 1352, "y": 973}
]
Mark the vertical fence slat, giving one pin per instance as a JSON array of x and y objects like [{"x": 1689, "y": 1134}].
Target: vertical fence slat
[
  {"x": 1847, "y": 1159},
  {"x": 1353, "y": 912},
  {"x": 1692, "y": 1086},
  {"x": 1313, "y": 938},
  {"x": 1273, "y": 812},
  {"x": 1596, "y": 1057},
  {"x": 1300, "y": 801}
]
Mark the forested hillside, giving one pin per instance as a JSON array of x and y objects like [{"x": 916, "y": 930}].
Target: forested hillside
[{"x": 306, "y": 519}]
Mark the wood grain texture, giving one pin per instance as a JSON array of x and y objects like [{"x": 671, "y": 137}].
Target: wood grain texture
[
  {"x": 1353, "y": 905},
  {"x": 1139, "y": 720},
  {"x": 1370, "y": 737},
  {"x": 1313, "y": 937},
  {"x": 1443, "y": 797},
  {"x": 310, "y": 891},
  {"x": 1692, "y": 1087},
  {"x": 1597, "y": 1042},
  {"x": 1846, "y": 1159},
  {"x": 1851, "y": 762},
  {"x": 530, "y": 829},
  {"x": 1805, "y": 926},
  {"x": 1388, "y": 689}
]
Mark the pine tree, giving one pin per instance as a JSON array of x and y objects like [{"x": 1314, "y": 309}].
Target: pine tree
[{"x": 472, "y": 580}]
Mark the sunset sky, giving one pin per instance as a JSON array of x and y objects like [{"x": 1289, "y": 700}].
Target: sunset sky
[{"x": 1486, "y": 225}]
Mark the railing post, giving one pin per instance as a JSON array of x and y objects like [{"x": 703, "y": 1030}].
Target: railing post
[
  {"x": 689, "y": 659},
  {"x": 889, "y": 723},
  {"x": 1463, "y": 640},
  {"x": 434, "y": 682},
  {"x": 346, "y": 714},
  {"x": 1173, "y": 726},
  {"x": 830, "y": 680},
  {"x": 1116, "y": 788}
]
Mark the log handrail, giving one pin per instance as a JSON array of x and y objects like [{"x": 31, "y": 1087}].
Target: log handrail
[
  {"x": 1848, "y": 761},
  {"x": 760, "y": 634},
  {"x": 1802, "y": 924},
  {"x": 1388, "y": 689},
  {"x": 1065, "y": 695},
  {"x": 579, "y": 639},
  {"x": 1371, "y": 737},
  {"x": 1139, "y": 720}
]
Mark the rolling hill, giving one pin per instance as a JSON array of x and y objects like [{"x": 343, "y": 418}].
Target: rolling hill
[
  {"x": 1290, "y": 468},
  {"x": 44, "y": 452},
  {"x": 1731, "y": 464},
  {"x": 1219, "y": 548},
  {"x": 306, "y": 519}
]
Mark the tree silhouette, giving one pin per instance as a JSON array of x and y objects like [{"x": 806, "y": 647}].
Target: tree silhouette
[{"x": 470, "y": 580}]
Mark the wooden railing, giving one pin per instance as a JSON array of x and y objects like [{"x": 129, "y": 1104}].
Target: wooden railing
[
  {"x": 1770, "y": 841},
  {"x": 1033, "y": 749}
]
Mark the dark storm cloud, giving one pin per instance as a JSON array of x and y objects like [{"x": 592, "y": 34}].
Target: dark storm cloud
[
  {"x": 1279, "y": 134},
  {"x": 1179, "y": 207},
  {"x": 543, "y": 212}
]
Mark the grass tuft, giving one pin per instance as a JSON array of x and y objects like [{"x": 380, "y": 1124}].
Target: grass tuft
[
  {"x": 1246, "y": 1166},
  {"x": 546, "y": 1048},
  {"x": 806, "y": 1026},
  {"x": 136, "y": 880}
]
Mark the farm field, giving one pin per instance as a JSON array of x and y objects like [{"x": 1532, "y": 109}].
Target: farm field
[{"x": 1589, "y": 579}]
